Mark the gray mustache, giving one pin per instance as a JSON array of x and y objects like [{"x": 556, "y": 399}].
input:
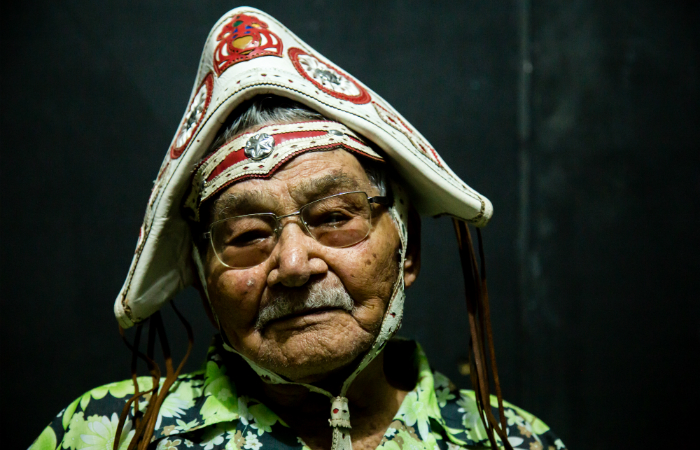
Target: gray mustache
[{"x": 293, "y": 301}]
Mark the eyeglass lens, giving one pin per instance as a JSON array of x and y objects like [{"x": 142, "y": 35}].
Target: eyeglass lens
[{"x": 336, "y": 221}]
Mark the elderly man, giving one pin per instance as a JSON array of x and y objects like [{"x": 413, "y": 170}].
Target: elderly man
[{"x": 286, "y": 199}]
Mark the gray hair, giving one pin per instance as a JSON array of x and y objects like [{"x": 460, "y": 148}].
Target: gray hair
[{"x": 268, "y": 109}]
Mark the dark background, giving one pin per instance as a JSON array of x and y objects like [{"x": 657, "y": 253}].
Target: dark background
[{"x": 579, "y": 119}]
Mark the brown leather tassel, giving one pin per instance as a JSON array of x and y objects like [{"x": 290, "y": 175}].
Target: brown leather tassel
[
  {"x": 155, "y": 374},
  {"x": 481, "y": 340},
  {"x": 145, "y": 425}
]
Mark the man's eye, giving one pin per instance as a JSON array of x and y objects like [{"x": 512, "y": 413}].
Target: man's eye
[
  {"x": 333, "y": 218},
  {"x": 246, "y": 238}
]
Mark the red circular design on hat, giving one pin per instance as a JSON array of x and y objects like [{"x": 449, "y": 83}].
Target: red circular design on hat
[
  {"x": 193, "y": 117},
  {"x": 328, "y": 78},
  {"x": 335, "y": 411},
  {"x": 243, "y": 38}
]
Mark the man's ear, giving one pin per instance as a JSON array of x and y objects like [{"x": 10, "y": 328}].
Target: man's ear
[{"x": 411, "y": 265}]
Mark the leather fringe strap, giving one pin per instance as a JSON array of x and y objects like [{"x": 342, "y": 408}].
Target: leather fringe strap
[
  {"x": 482, "y": 356},
  {"x": 145, "y": 422}
]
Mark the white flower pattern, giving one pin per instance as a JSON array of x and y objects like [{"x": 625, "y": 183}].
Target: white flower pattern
[
  {"x": 252, "y": 442},
  {"x": 102, "y": 431},
  {"x": 212, "y": 439},
  {"x": 173, "y": 406}
]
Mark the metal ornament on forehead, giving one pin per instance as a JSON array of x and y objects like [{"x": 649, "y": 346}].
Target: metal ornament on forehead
[{"x": 259, "y": 146}]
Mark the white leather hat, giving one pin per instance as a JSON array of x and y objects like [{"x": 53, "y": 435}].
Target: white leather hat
[{"x": 249, "y": 53}]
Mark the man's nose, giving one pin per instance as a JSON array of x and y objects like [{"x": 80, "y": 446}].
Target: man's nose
[{"x": 297, "y": 257}]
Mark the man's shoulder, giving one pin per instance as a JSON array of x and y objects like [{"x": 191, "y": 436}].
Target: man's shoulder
[
  {"x": 453, "y": 413},
  {"x": 94, "y": 415},
  {"x": 105, "y": 398},
  {"x": 463, "y": 423}
]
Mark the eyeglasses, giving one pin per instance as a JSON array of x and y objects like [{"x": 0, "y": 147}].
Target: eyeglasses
[{"x": 339, "y": 220}]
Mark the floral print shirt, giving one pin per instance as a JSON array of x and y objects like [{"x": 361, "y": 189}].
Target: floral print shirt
[{"x": 206, "y": 410}]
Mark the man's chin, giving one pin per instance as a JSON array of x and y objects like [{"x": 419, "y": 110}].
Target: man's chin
[{"x": 313, "y": 351}]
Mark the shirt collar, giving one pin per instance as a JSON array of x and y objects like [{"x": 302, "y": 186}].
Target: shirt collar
[{"x": 419, "y": 414}]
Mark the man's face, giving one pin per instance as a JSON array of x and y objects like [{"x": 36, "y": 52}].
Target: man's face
[{"x": 312, "y": 343}]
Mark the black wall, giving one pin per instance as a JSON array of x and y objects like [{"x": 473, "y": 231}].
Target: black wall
[{"x": 579, "y": 120}]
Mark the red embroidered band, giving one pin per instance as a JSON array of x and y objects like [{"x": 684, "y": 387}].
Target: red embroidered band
[{"x": 260, "y": 153}]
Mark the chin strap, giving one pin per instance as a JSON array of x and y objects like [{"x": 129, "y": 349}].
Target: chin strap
[{"x": 481, "y": 339}]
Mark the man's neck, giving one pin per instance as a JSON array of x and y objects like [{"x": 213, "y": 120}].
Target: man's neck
[{"x": 372, "y": 399}]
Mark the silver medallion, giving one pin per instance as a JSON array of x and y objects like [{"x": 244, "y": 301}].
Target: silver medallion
[
  {"x": 326, "y": 76},
  {"x": 259, "y": 146}
]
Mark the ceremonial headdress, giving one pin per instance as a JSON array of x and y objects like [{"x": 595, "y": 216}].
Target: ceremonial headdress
[{"x": 248, "y": 53}]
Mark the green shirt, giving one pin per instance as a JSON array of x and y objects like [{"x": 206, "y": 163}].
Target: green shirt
[{"x": 207, "y": 410}]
